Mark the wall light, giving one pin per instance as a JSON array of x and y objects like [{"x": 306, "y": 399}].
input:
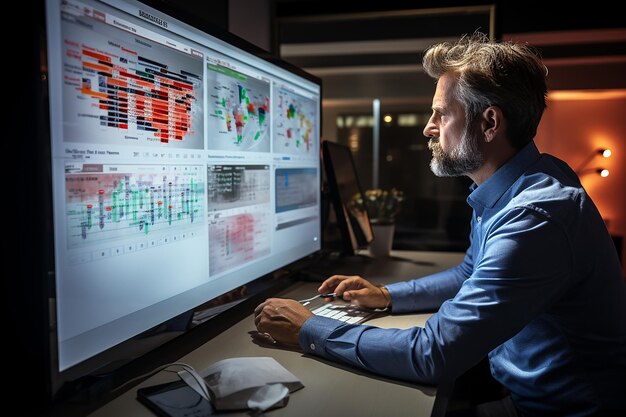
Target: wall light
[
  {"x": 388, "y": 118},
  {"x": 605, "y": 152},
  {"x": 603, "y": 172}
]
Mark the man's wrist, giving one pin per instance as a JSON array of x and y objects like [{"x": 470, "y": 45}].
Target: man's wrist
[{"x": 386, "y": 295}]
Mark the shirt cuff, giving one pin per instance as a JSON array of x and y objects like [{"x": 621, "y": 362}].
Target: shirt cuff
[
  {"x": 396, "y": 291},
  {"x": 400, "y": 303},
  {"x": 315, "y": 332}
]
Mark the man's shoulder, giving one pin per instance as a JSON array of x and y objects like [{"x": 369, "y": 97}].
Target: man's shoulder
[
  {"x": 550, "y": 191},
  {"x": 549, "y": 182}
]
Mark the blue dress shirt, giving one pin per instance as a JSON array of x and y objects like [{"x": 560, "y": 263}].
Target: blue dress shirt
[{"x": 540, "y": 291}]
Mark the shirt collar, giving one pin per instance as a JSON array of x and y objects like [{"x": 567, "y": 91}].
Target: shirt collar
[{"x": 489, "y": 192}]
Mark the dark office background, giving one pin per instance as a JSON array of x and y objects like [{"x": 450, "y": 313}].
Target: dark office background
[
  {"x": 584, "y": 47},
  {"x": 382, "y": 42}
]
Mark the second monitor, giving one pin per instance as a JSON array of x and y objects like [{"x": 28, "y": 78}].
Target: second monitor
[{"x": 347, "y": 198}]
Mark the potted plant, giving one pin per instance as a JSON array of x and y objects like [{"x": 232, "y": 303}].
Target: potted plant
[{"x": 382, "y": 207}]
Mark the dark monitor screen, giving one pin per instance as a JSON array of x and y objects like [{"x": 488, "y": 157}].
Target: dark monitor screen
[
  {"x": 184, "y": 165},
  {"x": 347, "y": 197}
]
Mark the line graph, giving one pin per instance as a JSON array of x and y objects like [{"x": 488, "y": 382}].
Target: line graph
[{"x": 108, "y": 202}]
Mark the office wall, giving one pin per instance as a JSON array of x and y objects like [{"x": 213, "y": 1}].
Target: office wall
[
  {"x": 250, "y": 20},
  {"x": 574, "y": 126}
]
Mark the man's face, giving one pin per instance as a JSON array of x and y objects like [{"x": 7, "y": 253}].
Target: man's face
[{"x": 455, "y": 149}]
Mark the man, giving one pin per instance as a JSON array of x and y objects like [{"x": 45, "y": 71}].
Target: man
[{"x": 540, "y": 290}]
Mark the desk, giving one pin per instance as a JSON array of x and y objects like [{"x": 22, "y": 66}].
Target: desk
[{"x": 330, "y": 389}]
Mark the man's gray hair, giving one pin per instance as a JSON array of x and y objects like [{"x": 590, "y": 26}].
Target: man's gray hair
[{"x": 503, "y": 74}]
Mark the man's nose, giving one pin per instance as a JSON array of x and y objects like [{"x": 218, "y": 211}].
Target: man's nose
[{"x": 430, "y": 130}]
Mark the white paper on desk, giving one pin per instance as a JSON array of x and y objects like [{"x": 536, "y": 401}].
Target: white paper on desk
[
  {"x": 232, "y": 382},
  {"x": 269, "y": 396}
]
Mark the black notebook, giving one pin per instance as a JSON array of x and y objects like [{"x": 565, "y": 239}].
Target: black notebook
[{"x": 175, "y": 399}]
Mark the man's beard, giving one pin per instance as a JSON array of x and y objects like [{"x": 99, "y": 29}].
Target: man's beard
[{"x": 464, "y": 158}]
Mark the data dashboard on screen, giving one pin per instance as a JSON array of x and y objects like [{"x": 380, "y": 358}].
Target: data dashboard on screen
[{"x": 182, "y": 167}]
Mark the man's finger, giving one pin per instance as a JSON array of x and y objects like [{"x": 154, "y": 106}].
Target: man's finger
[
  {"x": 352, "y": 282},
  {"x": 265, "y": 303},
  {"x": 356, "y": 294},
  {"x": 259, "y": 308},
  {"x": 331, "y": 283}
]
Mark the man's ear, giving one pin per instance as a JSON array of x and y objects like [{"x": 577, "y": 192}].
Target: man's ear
[{"x": 492, "y": 122}]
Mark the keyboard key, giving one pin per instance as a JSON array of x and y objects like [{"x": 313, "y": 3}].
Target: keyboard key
[
  {"x": 343, "y": 312},
  {"x": 340, "y": 314},
  {"x": 317, "y": 311}
]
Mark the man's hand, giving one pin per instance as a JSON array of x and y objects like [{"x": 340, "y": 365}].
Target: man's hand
[
  {"x": 282, "y": 319},
  {"x": 358, "y": 290}
]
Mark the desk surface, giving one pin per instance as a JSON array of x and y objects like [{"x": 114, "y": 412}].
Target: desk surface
[{"x": 331, "y": 389}]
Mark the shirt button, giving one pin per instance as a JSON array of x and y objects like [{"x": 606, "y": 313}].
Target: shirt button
[
  {"x": 312, "y": 346},
  {"x": 478, "y": 219}
]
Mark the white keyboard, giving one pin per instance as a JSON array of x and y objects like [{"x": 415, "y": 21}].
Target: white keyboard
[{"x": 344, "y": 312}]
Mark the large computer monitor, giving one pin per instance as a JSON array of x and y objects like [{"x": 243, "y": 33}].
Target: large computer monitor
[
  {"x": 184, "y": 165},
  {"x": 347, "y": 197}
]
